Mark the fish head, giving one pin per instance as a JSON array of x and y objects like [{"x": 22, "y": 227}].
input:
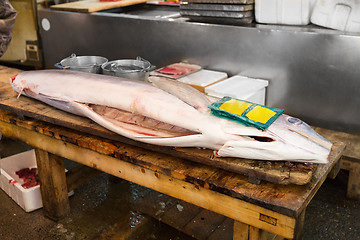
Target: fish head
[
  {"x": 296, "y": 132},
  {"x": 287, "y": 138},
  {"x": 14, "y": 81}
]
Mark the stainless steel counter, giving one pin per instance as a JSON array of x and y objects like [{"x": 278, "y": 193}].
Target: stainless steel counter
[{"x": 314, "y": 73}]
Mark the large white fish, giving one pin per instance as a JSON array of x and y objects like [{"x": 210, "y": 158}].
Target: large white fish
[{"x": 145, "y": 113}]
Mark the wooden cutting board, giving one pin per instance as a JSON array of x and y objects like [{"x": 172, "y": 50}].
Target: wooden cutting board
[
  {"x": 89, "y": 6},
  {"x": 222, "y": 1}
]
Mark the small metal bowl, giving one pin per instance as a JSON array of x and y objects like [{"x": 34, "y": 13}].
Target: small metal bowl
[
  {"x": 137, "y": 69},
  {"x": 91, "y": 64}
]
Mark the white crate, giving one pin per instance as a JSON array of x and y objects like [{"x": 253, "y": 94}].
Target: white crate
[
  {"x": 342, "y": 15},
  {"x": 240, "y": 87},
  {"x": 28, "y": 199},
  {"x": 291, "y": 12}
]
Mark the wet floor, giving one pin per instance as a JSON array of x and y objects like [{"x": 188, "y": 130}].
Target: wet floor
[{"x": 103, "y": 208}]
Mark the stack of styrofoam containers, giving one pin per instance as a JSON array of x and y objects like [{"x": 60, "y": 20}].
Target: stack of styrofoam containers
[
  {"x": 29, "y": 199},
  {"x": 240, "y": 87},
  {"x": 290, "y": 12},
  {"x": 342, "y": 15}
]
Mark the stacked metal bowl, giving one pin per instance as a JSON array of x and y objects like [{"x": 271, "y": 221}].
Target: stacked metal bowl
[
  {"x": 136, "y": 69},
  {"x": 219, "y": 11}
]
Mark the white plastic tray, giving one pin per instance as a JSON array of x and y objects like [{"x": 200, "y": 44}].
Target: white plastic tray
[{"x": 203, "y": 78}]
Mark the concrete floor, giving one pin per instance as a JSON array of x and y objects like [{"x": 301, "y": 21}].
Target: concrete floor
[{"x": 102, "y": 209}]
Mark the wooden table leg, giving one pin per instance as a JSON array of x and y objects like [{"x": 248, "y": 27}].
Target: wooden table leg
[
  {"x": 353, "y": 189},
  {"x": 53, "y": 186},
  {"x": 353, "y": 166},
  {"x": 243, "y": 231},
  {"x": 300, "y": 220},
  {"x": 335, "y": 170}
]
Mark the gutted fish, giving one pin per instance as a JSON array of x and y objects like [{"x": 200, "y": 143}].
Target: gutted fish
[{"x": 168, "y": 117}]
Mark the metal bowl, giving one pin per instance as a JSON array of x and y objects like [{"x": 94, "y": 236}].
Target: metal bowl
[
  {"x": 91, "y": 64},
  {"x": 137, "y": 69}
]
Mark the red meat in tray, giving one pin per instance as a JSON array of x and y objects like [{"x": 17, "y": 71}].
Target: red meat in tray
[
  {"x": 176, "y": 70},
  {"x": 29, "y": 176}
]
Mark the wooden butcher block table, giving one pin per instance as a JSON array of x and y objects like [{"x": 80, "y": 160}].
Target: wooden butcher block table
[{"x": 219, "y": 185}]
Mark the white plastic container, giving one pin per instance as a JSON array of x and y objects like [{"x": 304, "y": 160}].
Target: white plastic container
[
  {"x": 203, "y": 78},
  {"x": 240, "y": 87},
  {"x": 289, "y": 12},
  {"x": 341, "y": 15},
  {"x": 28, "y": 199}
]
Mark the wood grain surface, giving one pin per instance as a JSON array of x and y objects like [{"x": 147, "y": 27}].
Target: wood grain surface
[
  {"x": 89, "y": 6},
  {"x": 289, "y": 199}
]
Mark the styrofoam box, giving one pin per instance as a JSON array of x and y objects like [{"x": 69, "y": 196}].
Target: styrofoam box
[
  {"x": 203, "y": 78},
  {"x": 342, "y": 15},
  {"x": 28, "y": 199},
  {"x": 291, "y": 12},
  {"x": 240, "y": 87}
]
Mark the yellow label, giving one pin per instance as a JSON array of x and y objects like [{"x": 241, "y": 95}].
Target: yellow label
[
  {"x": 235, "y": 106},
  {"x": 260, "y": 114}
]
